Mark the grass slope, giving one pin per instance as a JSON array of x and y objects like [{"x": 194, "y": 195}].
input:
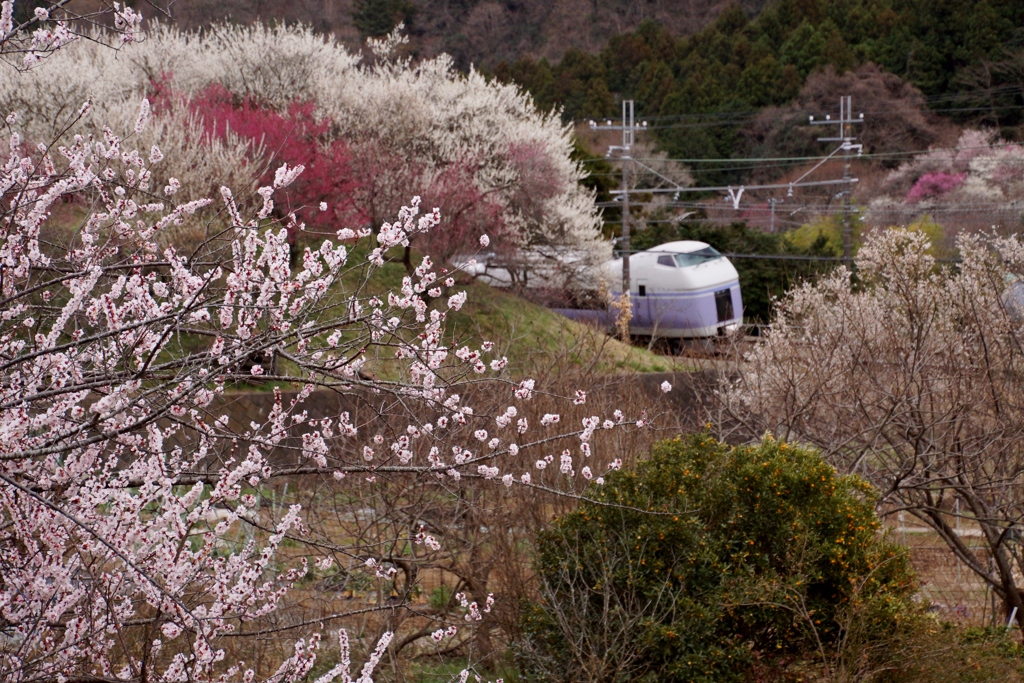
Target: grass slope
[{"x": 531, "y": 336}]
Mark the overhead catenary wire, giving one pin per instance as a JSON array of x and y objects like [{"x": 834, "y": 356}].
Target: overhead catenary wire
[
  {"x": 778, "y": 257},
  {"x": 732, "y": 117},
  {"x": 763, "y": 204},
  {"x": 725, "y": 188},
  {"x": 753, "y": 164},
  {"x": 865, "y": 155},
  {"x": 997, "y": 210}
]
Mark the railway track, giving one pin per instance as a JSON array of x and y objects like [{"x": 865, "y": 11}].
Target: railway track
[{"x": 718, "y": 348}]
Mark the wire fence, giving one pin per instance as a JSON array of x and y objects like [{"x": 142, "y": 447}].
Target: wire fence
[{"x": 949, "y": 588}]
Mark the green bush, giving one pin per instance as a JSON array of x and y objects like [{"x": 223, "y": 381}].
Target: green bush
[{"x": 712, "y": 563}]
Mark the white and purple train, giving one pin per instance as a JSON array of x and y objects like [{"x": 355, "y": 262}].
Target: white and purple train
[{"x": 679, "y": 290}]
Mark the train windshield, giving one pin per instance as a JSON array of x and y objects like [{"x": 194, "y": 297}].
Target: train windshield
[{"x": 695, "y": 258}]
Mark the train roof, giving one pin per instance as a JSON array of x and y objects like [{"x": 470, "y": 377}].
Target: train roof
[{"x": 680, "y": 247}]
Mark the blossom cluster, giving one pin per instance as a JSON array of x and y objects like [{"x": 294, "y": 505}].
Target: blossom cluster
[
  {"x": 123, "y": 479},
  {"x": 118, "y": 472},
  {"x": 48, "y": 31},
  {"x": 976, "y": 180}
]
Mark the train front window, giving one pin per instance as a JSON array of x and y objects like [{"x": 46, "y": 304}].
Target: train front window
[{"x": 695, "y": 258}]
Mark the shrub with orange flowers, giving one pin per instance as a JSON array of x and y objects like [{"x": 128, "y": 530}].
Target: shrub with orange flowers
[{"x": 714, "y": 563}]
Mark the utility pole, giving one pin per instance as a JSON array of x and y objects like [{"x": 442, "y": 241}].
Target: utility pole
[
  {"x": 628, "y": 129},
  {"x": 773, "y": 201},
  {"x": 845, "y": 123}
]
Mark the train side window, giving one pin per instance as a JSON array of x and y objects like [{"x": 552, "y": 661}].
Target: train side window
[
  {"x": 643, "y": 290},
  {"x": 666, "y": 260},
  {"x": 723, "y": 304}
]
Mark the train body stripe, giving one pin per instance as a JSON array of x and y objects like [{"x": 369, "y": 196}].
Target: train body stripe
[{"x": 693, "y": 293}]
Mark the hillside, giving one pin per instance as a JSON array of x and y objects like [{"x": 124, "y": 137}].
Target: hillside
[
  {"x": 716, "y": 94},
  {"x": 481, "y": 32}
]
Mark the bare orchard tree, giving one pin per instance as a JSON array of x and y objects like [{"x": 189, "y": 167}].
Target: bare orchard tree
[{"x": 911, "y": 375}]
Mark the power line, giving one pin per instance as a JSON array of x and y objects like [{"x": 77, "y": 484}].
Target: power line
[
  {"x": 780, "y": 257},
  {"x": 730, "y": 188},
  {"x": 845, "y": 122},
  {"x": 737, "y": 121},
  {"x": 735, "y": 195},
  {"x": 865, "y": 155},
  {"x": 729, "y": 118},
  {"x": 950, "y": 96}
]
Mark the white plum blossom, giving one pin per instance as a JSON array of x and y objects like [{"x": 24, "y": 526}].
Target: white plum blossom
[
  {"x": 456, "y": 301},
  {"x": 525, "y": 390}
]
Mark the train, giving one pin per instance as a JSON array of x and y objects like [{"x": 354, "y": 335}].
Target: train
[{"x": 678, "y": 290}]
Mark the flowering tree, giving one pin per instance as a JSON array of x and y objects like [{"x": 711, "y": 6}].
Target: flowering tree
[
  {"x": 321, "y": 196},
  {"x": 26, "y": 40},
  {"x": 123, "y": 486},
  {"x": 935, "y": 185},
  {"x": 420, "y": 128},
  {"x": 912, "y": 379},
  {"x": 972, "y": 185}
]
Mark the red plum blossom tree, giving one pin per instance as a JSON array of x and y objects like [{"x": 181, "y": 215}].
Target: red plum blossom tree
[{"x": 478, "y": 149}]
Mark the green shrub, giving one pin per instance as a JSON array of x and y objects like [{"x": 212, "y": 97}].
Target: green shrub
[{"x": 710, "y": 563}]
